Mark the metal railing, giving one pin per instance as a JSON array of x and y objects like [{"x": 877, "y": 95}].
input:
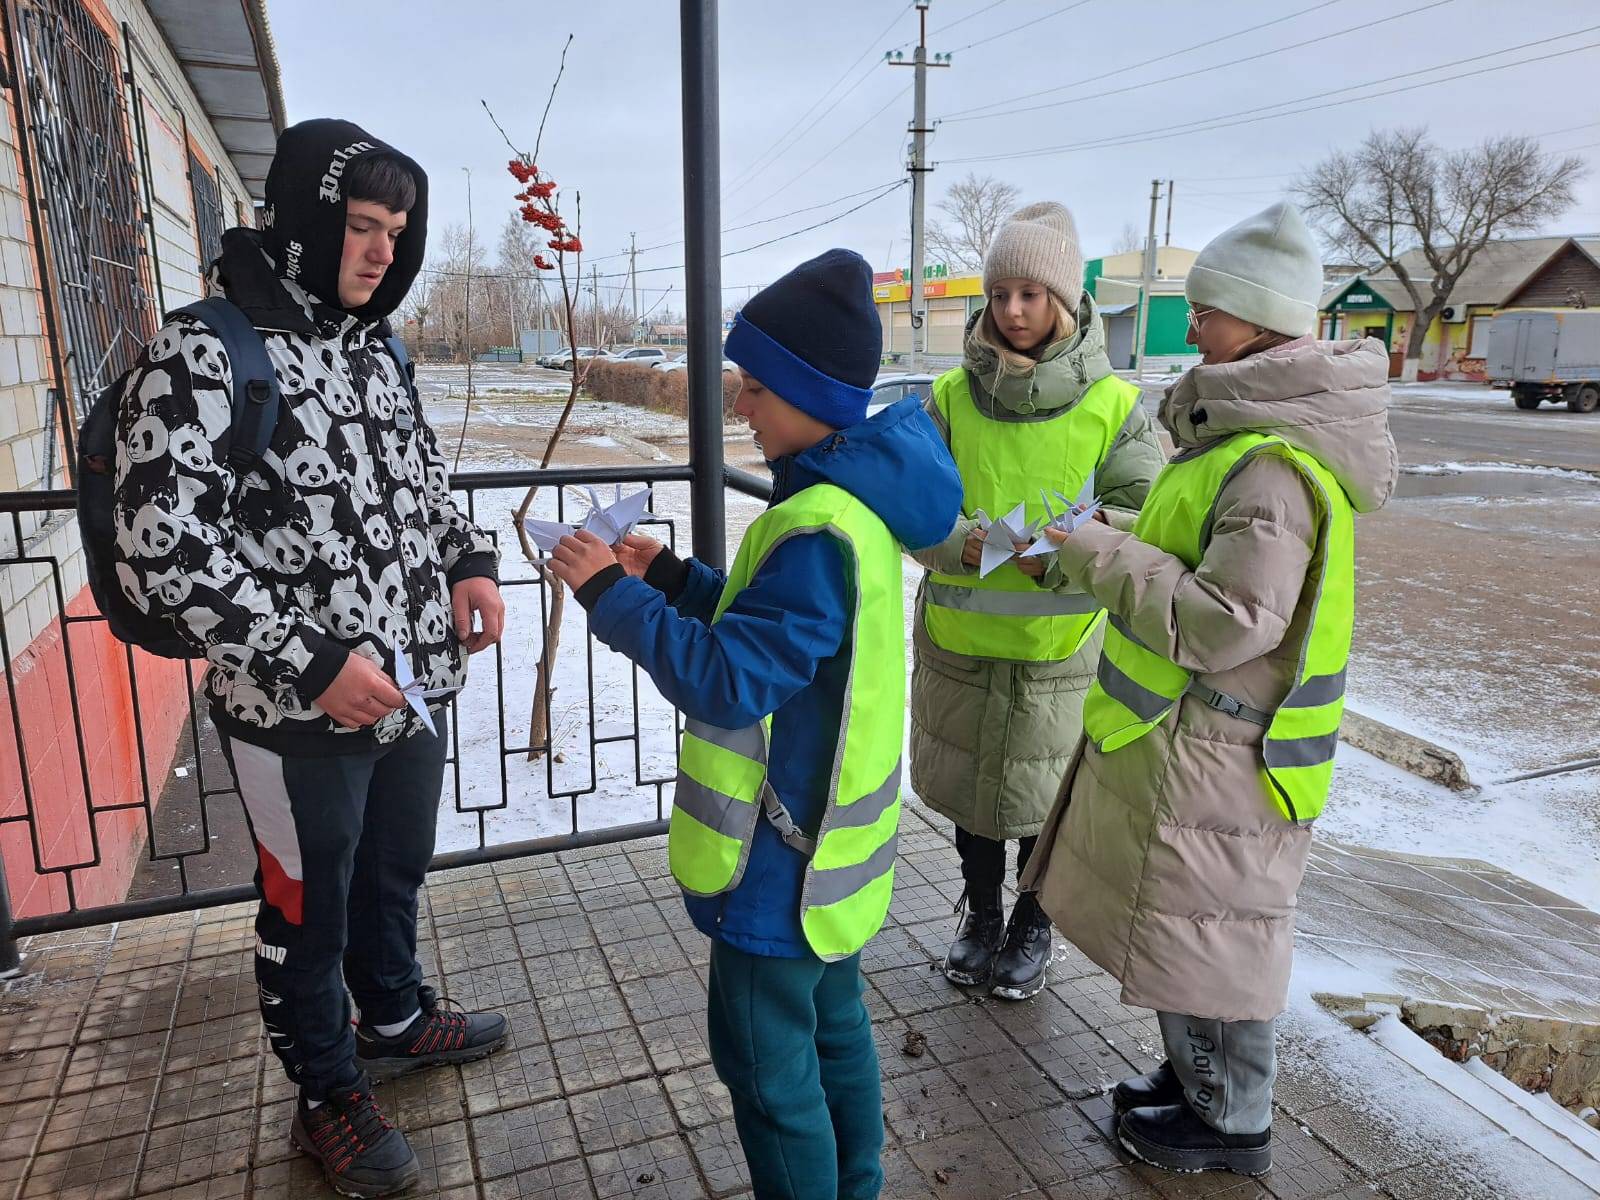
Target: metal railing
[{"x": 196, "y": 851}]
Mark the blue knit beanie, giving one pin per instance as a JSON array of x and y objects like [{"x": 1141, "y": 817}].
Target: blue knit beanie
[{"x": 814, "y": 338}]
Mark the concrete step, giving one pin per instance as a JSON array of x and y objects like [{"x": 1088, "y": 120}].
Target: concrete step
[{"x": 1565, "y": 1143}]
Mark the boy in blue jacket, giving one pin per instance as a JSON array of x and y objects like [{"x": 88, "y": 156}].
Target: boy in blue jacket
[{"x": 790, "y": 671}]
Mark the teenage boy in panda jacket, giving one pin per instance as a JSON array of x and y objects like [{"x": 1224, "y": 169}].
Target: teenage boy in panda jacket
[{"x": 296, "y": 579}]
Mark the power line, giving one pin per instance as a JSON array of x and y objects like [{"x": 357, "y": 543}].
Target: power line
[
  {"x": 962, "y": 112},
  {"x": 793, "y": 212},
  {"x": 896, "y": 186},
  {"x": 968, "y": 17},
  {"x": 1230, "y": 178},
  {"x": 783, "y": 141},
  {"x": 1249, "y": 116},
  {"x": 828, "y": 153},
  {"x": 783, "y": 237},
  {"x": 993, "y": 37},
  {"x": 1166, "y": 79}
]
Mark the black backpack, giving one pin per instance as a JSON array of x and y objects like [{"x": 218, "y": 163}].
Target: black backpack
[{"x": 255, "y": 417}]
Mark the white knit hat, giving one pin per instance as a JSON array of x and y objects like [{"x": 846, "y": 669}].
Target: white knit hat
[
  {"x": 1039, "y": 242},
  {"x": 1265, "y": 270}
]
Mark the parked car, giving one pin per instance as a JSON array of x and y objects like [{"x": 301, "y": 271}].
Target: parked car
[
  {"x": 644, "y": 355},
  {"x": 671, "y": 362},
  {"x": 681, "y": 363},
  {"x": 564, "y": 363},
  {"x": 888, "y": 389},
  {"x": 1547, "y": 356}
]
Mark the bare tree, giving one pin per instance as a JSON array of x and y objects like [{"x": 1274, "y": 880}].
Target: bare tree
[
  {"x": 974, "y": 207},
  {"x": 1398, "y": 192},
  {"x": 1129, "y": 240}
]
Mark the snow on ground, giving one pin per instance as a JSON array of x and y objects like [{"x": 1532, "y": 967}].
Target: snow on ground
[
  {"x": 489, "y": 380},
  {"x": 1468, "y": 468},
  {"x": 1444, "y": 389},
  {"x": 1546, "y": 830}
]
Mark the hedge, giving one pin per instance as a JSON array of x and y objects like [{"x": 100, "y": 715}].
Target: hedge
[{"x": 644, "y": 387}]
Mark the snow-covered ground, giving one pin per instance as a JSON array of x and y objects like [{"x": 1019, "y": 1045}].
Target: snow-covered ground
[{"x": 1446, "y": 389}]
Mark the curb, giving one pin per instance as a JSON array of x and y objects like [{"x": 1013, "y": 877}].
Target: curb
[{"x": 1406, "y": 751}]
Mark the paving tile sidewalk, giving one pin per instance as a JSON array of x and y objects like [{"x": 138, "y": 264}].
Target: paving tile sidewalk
[{"x": 131, "y": 1060}]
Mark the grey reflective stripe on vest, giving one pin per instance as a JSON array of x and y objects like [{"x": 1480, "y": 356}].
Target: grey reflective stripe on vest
[
  {"x": 870, "y": 807},
  {"x": 713, "y": 809},
  {"x": 749, "y": 742},
  {"x": 1317, "y": 691},
  {"x": 840, "y": 883},
  {"x": 1038, "y": 603},
  {"x": 1129, "y": 692},
  {"x": 1124, "y": 629},
  {"x": 1300, "y": 752}
]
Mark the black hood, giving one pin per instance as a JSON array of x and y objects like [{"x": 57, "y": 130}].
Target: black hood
[{"x": 304, "y": 219}]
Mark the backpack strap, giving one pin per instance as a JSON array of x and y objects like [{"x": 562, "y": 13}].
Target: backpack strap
[
  {"x": 255, "y": 382},
  {"x": 407, "y": 369}
]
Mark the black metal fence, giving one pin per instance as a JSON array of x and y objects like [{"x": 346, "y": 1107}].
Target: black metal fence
[{"x": 598, "y": 775}]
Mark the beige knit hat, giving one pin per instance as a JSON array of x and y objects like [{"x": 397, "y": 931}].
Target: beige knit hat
[{"x": 1039, "y": 242}]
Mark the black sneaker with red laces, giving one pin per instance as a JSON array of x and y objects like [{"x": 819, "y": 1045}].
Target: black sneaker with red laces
[
  {"x": 360, "y": 1152},
  {"x": 438, "y": 1036}
]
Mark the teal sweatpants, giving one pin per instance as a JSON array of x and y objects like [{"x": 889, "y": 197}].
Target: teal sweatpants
[{"x": 791, "y": 1041}]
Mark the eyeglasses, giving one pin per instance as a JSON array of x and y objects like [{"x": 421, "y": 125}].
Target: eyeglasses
[{"x": 1196, "y": 317}]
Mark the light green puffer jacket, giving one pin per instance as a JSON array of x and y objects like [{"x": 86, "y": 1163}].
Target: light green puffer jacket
[{"x": 991, "y": 738}]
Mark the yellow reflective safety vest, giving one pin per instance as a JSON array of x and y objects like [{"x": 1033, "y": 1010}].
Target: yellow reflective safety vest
[
  {"x": 723, "y": 790},
  {"x": 1137, "y": 688},
  {"x": 1005, "y": 614}
]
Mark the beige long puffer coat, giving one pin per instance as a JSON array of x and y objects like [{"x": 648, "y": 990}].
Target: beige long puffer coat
[{"x": 1165, "y": 861}]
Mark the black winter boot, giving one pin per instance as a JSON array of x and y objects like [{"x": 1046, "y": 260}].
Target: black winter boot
[
  {"x": 1159, "y": 1087},
  {"x": 1019, "y": 969},
  {"x": 1175, "y": 1138},
  {"x": 970, "y": 959},
  {"x": 360, "y": 1152},
  {"x": 438, "y": 1036}
]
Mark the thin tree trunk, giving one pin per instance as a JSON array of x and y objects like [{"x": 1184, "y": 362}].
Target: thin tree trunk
[{"x": 539, "y": 722}]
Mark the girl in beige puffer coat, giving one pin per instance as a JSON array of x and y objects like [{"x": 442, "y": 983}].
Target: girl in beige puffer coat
[{"x": 1165, "y": 860}]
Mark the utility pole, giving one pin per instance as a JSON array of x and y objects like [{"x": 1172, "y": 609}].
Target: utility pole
[
  {"x": 1170, "y": 189},
  {"x": 594, "y": 303},
  {"x": 471, "y": 245},
  {"x": 633, "y": 279},
  {"x": 1147, "y": 279},
  {"x": 917, "y": 168}
]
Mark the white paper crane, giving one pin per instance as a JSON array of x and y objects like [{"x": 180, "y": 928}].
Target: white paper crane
[
  {"x": 1074, "y": 513},
  {"x": 608, "y": 522},
  {"x": 1000, "y": 537},
  {"x": 416, "y": 692}
]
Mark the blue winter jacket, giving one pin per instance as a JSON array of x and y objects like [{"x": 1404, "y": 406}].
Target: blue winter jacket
[{"x": 782, "y": 647}]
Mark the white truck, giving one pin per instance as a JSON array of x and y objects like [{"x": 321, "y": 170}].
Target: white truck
[{"x": 1547, "y": 355}]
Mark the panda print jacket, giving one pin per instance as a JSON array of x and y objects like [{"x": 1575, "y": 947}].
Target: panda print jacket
[{"x": 343, "y": 539}]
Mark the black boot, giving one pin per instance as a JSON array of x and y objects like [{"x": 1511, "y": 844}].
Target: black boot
[
  {"x": 1019, "y": 970},
  {"x": 1175, "y": 1138},
  {"x": 360, "y": 1152},
  {"x": 438, "y": 1036},
  {"x": 970, "y": 959},
  {"x": 1160, "y": 1087}
]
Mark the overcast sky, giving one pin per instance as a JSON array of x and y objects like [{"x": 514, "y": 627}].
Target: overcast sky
[{"x": 415, "y": 78}]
